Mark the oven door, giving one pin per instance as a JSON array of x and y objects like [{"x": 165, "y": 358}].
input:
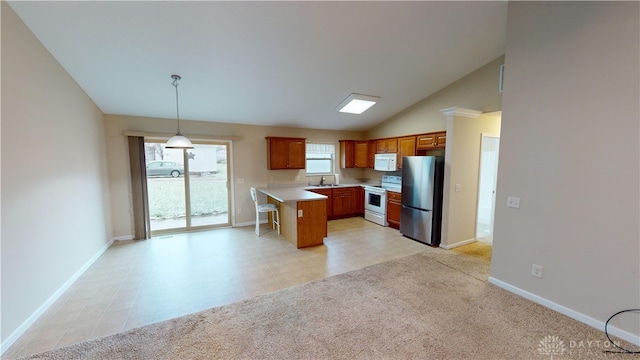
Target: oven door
[{"x": 375, "y": 200}]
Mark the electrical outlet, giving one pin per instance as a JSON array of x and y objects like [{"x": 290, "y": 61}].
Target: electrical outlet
[
  {"x": 239, "y": 211},
  {"x": 458, "y": 187},
  {"x": 513, "y": 202},
  {"x": 536, "y": 270}
]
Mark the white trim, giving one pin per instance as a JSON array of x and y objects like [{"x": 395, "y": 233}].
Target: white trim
[
  {"x": 123, "y": 238},
  {"x": 458, "y": 111},
  {"x": 622, "y": 334},
  {"x": 501, "y": 84},
  {"x": 11, "y": 339},
  {"x": 231, "y": 180},
  {"x": 458, "y": 244}
]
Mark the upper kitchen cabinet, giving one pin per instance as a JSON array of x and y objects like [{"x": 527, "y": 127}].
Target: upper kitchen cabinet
[
  {"x": 361, "y": 154},
  {"x": 354, "y": 154},
  {"x": 371, "y": 157},
  {"x": 436, "y": 140},
  {"x": 387, "y": 146},
  {"x": 346, "y": 153},
  {"x": 285, "y": 153},
  {"x": 406, "y": 147}
]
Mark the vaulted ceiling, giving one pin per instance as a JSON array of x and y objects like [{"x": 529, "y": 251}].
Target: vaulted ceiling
[{"x": 266, "y": 63}]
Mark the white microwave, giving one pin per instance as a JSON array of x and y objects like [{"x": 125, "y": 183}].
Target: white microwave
[{"x": 385, "y": 162}]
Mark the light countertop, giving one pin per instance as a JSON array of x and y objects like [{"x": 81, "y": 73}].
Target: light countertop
[{"x": 291, "y": 194}]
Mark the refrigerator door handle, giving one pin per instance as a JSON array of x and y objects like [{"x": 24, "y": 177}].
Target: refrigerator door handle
[{"x": 415, "y": 208}]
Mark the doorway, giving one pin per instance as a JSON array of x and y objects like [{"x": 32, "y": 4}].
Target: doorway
[
  {"x": 187, "y": 188},
  {"x": 488, "y": 175}
]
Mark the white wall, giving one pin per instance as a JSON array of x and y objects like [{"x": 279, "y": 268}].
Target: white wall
[
  {"x": 570, "y": 151},
  {"x": 55, "y": 204}
]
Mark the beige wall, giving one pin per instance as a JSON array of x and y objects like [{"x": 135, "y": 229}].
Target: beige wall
[
  {"x": 55, "y": 204},
  {"x": 570, "y": 151},
  {"x": 462, "y": 166},
  {"x": 477, "y": 90},
  {"x": 249, "y": 161}
]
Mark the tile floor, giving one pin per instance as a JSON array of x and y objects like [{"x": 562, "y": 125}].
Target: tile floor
[{"x": 135, "y": 283}]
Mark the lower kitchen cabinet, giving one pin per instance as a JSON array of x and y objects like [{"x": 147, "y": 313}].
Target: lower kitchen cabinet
[
  {"x": 393, "y": 209},
  {"x": 329, "y": 195},
  {"x": 343, "y": 202},
  {"x": 359, "y": 201}
]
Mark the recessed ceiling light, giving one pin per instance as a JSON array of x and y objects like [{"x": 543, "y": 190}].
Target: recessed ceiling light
[{"x": 357, "y": 103}]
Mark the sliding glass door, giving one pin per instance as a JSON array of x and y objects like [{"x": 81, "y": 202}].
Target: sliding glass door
[
  {"x": 207, "y": 185},
  {"x": 187, "y": 188}
]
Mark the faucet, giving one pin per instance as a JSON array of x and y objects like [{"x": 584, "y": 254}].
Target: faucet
[{"x": 322, "y": 179}]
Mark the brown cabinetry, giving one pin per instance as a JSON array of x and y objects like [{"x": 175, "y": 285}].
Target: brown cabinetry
[
  {"x": 343, "y": 202},
  {"x": 359, "y": 191},
  {"x": 354, "y": 154},
  {"x": 329, "y": 194},
  {"x": 361, "y": 154},
  {"x": 384, "y": 146},
  {"x": 285, "y": 153},
  {"x": 347, "y": 148},
  {"x": 406, "y": 147},
  {"x": 393, "y": 209},
  {"x": 436, "y": 140},
  {"x": 372, "y": 153}
]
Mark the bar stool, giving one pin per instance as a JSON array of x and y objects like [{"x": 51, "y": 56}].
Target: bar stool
[{"x": 265, "y": 208}]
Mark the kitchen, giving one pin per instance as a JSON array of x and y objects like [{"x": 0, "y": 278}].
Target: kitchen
[
  {"x": 248, "y": 166},
  {"x": 366, "y": 199}
]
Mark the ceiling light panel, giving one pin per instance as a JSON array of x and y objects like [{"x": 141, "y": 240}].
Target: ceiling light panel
[{"x": 357, "y": 103}]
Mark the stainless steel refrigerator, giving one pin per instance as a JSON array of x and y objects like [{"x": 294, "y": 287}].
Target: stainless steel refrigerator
[{"x": 421, "y": 212}]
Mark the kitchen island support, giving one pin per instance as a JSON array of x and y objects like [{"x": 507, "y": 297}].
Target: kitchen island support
[{"x": 303, "y": 215}]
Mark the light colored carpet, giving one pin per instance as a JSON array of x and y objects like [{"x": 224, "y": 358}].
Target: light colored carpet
[{"x": 432, "y": 305}]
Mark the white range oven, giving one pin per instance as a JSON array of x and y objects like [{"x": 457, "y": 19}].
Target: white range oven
[{"x": 375, "y": 199}]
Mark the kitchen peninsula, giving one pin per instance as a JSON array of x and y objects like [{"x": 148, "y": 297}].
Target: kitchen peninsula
[{"x": 303, "y": 215}]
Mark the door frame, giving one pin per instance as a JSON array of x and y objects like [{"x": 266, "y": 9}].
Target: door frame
[
  {"x": 480, "y": 168},
  {"x": 229, "y": 185}
]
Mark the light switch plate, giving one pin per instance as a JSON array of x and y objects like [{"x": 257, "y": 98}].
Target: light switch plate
[
  {"x": 300, "y": 213},
  {"x": 458, "y": 187},
  {"x": 513, "y": 202}
]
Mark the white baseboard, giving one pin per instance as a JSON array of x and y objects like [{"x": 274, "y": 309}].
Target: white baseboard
[
  {"x": 458, "y": 244},
  {"x": 123, "y": 238},
  {"x": 11, "y": 339},
  {"x": 622, "y": 334}
]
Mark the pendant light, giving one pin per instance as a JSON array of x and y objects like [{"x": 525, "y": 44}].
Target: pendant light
[{"x": 178, "y": 141}]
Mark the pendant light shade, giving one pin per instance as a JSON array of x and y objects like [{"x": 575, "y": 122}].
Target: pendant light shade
[{"x": 178, "y": 141}]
